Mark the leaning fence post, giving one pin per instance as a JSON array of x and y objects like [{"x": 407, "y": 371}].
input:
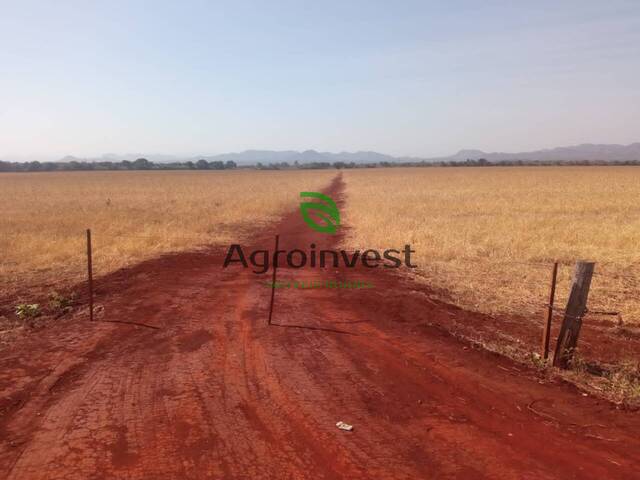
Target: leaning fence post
[
  {"x": 576, "y": 308},
  {"x": 90, "y": 273},
  {"x": 549, "y": 314}
]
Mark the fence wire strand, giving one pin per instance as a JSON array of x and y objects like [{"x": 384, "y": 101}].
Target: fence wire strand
[{"x": 439, "y": 267}]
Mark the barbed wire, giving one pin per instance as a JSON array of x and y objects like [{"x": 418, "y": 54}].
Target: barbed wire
[
  {"x": 97, "y": 234},
  {"x": 148, "y": 237},
  {"x": 438, "y": 266},
  {"x": 617, "y": 275}
]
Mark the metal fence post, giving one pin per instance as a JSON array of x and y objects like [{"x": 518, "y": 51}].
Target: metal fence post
[
  {"x": 549, "y": 314},
  {"x": 90, "y": 273}
]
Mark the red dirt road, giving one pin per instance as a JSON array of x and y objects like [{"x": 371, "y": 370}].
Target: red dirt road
[{"x": 214, "y": 392}]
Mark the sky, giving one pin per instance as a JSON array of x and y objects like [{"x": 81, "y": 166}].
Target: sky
[{"x": 406, "y": 78}]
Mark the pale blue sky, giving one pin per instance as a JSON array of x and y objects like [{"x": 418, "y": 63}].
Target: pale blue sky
[{"x": 404, "y": 77}]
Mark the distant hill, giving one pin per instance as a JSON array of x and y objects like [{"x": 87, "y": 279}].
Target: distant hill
[
  {"x": 251, "y": 157},
  {"x": 584, "y": 152}
]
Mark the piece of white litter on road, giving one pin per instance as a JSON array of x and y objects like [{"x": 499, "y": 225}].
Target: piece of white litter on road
[{"x": 344, "y": 426}]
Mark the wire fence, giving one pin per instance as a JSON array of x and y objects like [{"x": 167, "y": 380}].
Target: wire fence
[{"x": 494, "y": 286}]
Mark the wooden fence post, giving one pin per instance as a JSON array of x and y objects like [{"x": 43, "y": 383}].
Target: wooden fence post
[
  {"x": 90, "y": 274},
  {"x": 576, "y": 308},
  {"x": 549, "y": 315}
]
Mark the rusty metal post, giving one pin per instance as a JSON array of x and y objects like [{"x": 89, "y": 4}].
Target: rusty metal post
[
  {"x": 273, "y": 279},
  {"x": 90, "y": 273},
  {"x": 546, "y": 334}
]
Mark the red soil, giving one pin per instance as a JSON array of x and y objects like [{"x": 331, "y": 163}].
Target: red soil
[{"x": 214, "y": 392}]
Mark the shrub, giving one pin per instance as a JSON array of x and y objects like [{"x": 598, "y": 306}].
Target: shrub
[
  {"x": 28, "y": 310},
  {"x": 60, "y": 303}
]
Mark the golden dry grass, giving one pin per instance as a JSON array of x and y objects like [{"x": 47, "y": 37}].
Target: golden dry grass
[
  {"x": 133, "y": 216},
  {"x": 471, "y": 228}
]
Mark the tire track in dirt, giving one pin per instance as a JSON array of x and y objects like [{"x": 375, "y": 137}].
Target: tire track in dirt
[{"x": 216, "y": 393}]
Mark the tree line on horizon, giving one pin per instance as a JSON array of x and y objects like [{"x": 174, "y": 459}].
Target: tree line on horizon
[
  {"x": 202, "y": 164},
  {"x": 139, "y": 164}
]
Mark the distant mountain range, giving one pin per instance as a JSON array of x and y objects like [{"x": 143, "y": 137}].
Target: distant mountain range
[
  {"x": 308, "y": 156},
  {"x": 586, "y": 151},
  {"x": 251, "y": 157}
]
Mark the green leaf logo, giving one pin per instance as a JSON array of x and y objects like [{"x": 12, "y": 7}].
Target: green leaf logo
[{"x": 325, "y": 210}]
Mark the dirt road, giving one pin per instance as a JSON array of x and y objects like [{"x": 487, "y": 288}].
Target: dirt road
[{"x": 213, "y": 392}]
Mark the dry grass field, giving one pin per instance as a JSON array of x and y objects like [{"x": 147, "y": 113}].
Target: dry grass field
[
  {"x": 133, "y": 216},
  {"x": 486, "y": 237}
]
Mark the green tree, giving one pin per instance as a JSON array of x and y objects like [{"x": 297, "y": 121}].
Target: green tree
[{"x": 142, "y": 164}]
